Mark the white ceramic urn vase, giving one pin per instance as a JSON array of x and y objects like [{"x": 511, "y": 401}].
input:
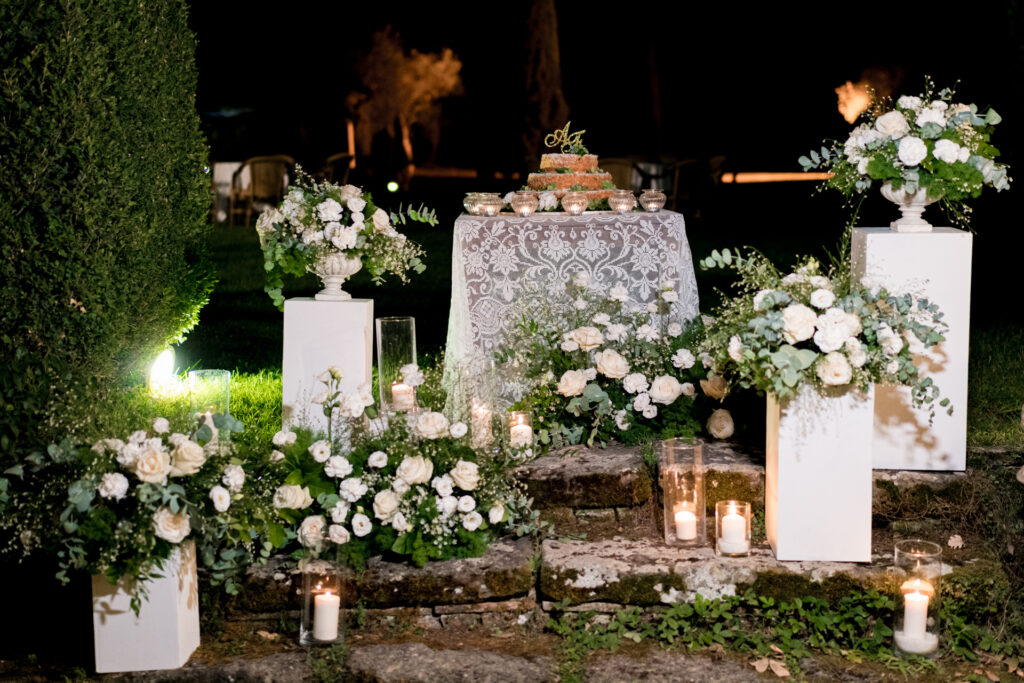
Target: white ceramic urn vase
[
  {"x": 333, "y": 269},
  {"x": 911, "y": 206}
]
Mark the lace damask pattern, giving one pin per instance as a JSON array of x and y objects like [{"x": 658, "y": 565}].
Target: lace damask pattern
[{"x": 496, "y": 260}]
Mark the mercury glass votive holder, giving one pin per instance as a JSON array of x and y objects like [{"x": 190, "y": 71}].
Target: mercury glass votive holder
[
  {"x": 396, "y": 348},
  {"x": 574, "y": 202},
  {"x": 732, "y": 528},
  {"x": 321, "y": 623},
  {"x": 653, "y": 200},
  {"x": 681, "y": 475},
  {"x": 918, "y": 568},
  {"x": 471, "y": 203},
  {"x": 490, "y": 204},
  {"x": 622, "y": 201},
  {"x": 525, "y": 203}
]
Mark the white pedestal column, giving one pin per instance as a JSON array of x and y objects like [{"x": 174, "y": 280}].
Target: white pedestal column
[
  {"x": 937, "y": 266},
  {"x": 817, "y": 498},
  {"x": 165, "y": 633},
  {"x": 317, "y": 335}
]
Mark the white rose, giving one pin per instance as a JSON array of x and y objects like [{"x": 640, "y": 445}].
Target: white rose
[
  {"x": 798, "y": 323},
  {"x": 496, "y": 513},
  {"x": 892, "y": 124},
  {"x": 641, "y": 401},
  {"x": 349, "y": 192},
  {"x": 361, "y": 524},
  {"x": 893, "y": 366},
  {"x": 329, "y": 210},
  {"x": 683, "y": 359},
  {"x": 378, "y": 459},
  {"x": 472, "y": 521},
  {"x": 571, "y": 383},
  {"x": 104, "y": 445},
  {"x": 652, "y": 307},
  {"x": 833, "y": 330},
  {"x": 670, "y": 296},
  {"x": 446, "y": 505},
  {"x": 411, "y": 374},
  {"x": 647, "y": 332},
  {"x": 706, "y": 360},
  {"x": 352, "y": 489},
  {"x": 611, "y": 364},
  {"x": 161, "y": 425},
  {"x": 601, "y": 319},
  {"x": 650, "y": 412},
  {"x": 466, "y": 475},
  {"x": 820, "y": 282},
  {"x": 621, "y": 421},
  {"x": 616, "y": 331},
  {"x": 674, "y": 329},
  {"x": 570, "y": 345},
  {"x": 138, "y": 437},
  {"x": 759, "y": 299},
  {"x": 356, "y": 204},
  {"x": 715, "y": 387},
  {"x": 665, "y": 389},
  {"x": 234, "y": 478},
  {"x": 912, "y": 151},
  {"x": 337, "y": 467},
  {"x": 736, "y": 348},
  {"x": 384, "y": 504},
  {"x": 399, "y": 523},
  {"x": 932, "y": 115},
  {"x": 221, "y": 498},
  {"x": 720, "y": 424},
  {"x": 909, "y": 102},
  {"x": 284, "y": 438},
  {"x": 340, "y": 511},
  {"x": 590, "y": 374},
  {"x": 416, "y": 469},
  {"x": 581, "y": 278},
  {"x": 400, "y": 486},
  {"x": 153, "y": 464},
  {"x": 431, "y": 426},
  {"x": 292, "y": 497},
  {"x": 351, "y": 405},
  {"x": 458, "y": 430},
  {"x": 822, "y": 298},
  {"x": 618, "y": 293},
  {"x": 276, "y": 456},
  {"x": 345, "y": 238},
  {"x": 890, "y": 342},
  {"x": 855, "y": 352},
  {"x": 113, "y": 485},
  {"x": 320, "y": 450},
  {"x": 466, "y": 504},
  {"x": 547, "y": 200},
  {"x": 381, "y": 222},
  {"x": 834, "y": 370},
  {"x": 338, "y": 534},
  {"x": 689, "y": 390},
  {"x": 169, "y": 526},
  {"x": 589, "y": 338},
  {"x": 579, "y": 304},
  {"x": 443, "y": 485},
  {"x": 946, "y": 150},
  {"x": 311, "y": 531},
  {"x": 635, "y": 383}
]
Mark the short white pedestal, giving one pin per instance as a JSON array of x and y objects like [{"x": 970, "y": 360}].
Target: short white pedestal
[
  {"x": 317, "y": 335},
  {"x": 937, "y": 266},
  {"x": 818, "y": 484},
  {"x": 165, "y": 633}
]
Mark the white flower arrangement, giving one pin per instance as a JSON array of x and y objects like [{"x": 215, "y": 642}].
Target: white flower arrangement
[{"x": 927, "y": 142}]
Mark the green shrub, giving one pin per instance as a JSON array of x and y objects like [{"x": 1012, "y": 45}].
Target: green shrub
[{"x": 104, "y": 197}]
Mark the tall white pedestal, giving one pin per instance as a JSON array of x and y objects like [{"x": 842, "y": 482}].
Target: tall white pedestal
[
  {"x": 937, "y": 266},
  {"x": 317, "y": 335},
  {"x": 817, "y": 493}
]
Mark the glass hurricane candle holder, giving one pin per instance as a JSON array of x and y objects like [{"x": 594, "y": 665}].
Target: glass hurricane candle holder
[
  {"x": 622, "y": 201},
  {"x": 482, "y": 425},
  {"x": 918, "y": 566},
  {"x": 525, "y": 203},
  {"x": 653, "y": 200},
  {"x": 396, "y": 349},
  {"x": 490, "y": 204},
  {"x": 472, "y": 203},
  {"x": 732, "y": 528},
  {"x": 321, "y": 604},
  {"x": 209, "y": 393},
  {"x": 681, "y": 475},
  {"x": 520, "y": 430},
  {"x": 574, "y": 202}
]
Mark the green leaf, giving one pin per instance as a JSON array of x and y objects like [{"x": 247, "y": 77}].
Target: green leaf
[
  {"x": 275, "y": 534},
  {"x": 16, "y": 470},
  {"x": 294, "y": 478}
]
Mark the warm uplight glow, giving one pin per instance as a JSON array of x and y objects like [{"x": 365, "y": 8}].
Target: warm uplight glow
[
  {"x": 768, "y": 177},
  {"x": 163, "y": 382},
  {"x": 854, "y": 99},
  {"x": 392, "y": 186}
]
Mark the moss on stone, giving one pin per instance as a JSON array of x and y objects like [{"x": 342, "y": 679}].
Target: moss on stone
[
  {"x": 629, "y": 589},
  {"x": 732, "y": 486},
  {"x": 979, "y": 589}
]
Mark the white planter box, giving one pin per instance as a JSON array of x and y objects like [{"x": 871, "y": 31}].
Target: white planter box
[
  {"x": 937, "y": 266},
  {"x": 165, "y": 633},
  {"x": 818, "y": 476},
  {"x": 317, "y": 335}
]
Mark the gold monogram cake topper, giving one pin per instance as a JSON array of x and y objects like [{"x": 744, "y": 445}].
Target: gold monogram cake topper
[{"x": 571, "y": 143}]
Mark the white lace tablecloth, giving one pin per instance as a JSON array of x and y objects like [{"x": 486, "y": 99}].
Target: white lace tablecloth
[{"x": 496, "y": 260}]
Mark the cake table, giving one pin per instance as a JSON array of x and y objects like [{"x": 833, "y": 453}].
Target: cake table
[{"x": 495, "y": 260}]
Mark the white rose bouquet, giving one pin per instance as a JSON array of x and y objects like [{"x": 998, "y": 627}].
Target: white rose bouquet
[
  {"x": 594, "y": 366},
  {"x": 780, "y": 332},
  {"x": 927, "y": 142},
  {"x": 412, "y": 485},
  {"x": 320, "y": 220}
]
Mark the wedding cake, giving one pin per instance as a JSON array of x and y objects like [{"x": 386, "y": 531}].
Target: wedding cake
[{"x": 574, "y": 168}]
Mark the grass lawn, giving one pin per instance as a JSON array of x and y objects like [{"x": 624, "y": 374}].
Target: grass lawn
[{"x": 240, "y": 330}]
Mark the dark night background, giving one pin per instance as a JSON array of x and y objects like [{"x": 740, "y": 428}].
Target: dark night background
[{"x": 680, "y": 80}]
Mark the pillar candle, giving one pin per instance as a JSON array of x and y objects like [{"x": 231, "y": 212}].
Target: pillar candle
[
  {"x": 686, "y": 525},
  {"x": 734, "y": 533},
  {"x": 521, "y": 435},
  {"x": 482, "y": 426},
  {"x": 325, "y": 616},
  {"x": 403, "y": 397}
]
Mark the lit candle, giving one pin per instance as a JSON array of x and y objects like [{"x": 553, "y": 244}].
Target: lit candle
[
  {"x": 686, "y": 525},
  {"x": 734, "y": 533},
  {"x": 325, "y": 616},
  {"x": 914, "y": 638},
  {"x": 482, "y": 426},
  {"x": 521, "y": 434},
  {"x": 403, "y": 397}
]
